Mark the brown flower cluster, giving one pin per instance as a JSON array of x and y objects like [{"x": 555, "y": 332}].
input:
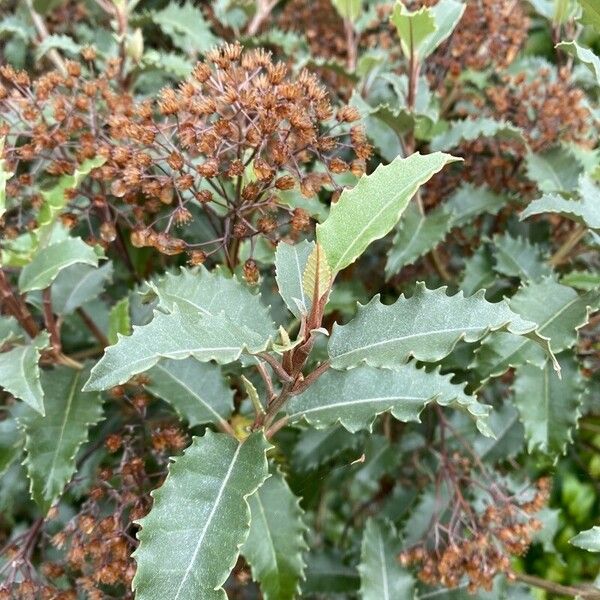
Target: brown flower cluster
[
  {"x": 224, "y": 147},
  {"x": 478, "y": 546}
]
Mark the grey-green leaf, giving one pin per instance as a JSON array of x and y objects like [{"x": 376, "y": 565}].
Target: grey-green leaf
[
  {"x": 119, "y": 321},
  {"x": 20, "y": 374},
  {"x": 355, "y": 397},
  {"x": 585, "y": 55},
  {"x": 471, "y": 129},
  {"x": 197, "y": 391},
  {"x": 191, "y": 538},
  {"x": 588, "y": 540},
  {"x": 370, "y": 210},
  {"x": 426, "y": 326},
  {"x": 50, "y": 261},
  {"x": 176, "y": 335},
  {"x": 290, "y": 264},
  {"x": 555, "y": 170},
  {"x": 52, "y": 441},
  {"x": 381, "y": 576},
  {"x": 516, "y": 257},
  {"x": 549, "y": 406},
  {"x": 276, "y": 543}
]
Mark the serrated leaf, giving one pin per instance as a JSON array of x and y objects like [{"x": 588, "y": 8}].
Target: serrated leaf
[
  {"x": 275, "y": 544},
  {"x": 585, "y": 210},
  {"x": 560, "y": 312},
  {"x": 61, "y": 42},
  {"x": 470, "y": 201},
  {"x": 581, "y": 280},
  {"x": 47, "y": 264},
  {"x": 381, "y": 576},
  {"x": 354, "y": 398},
  {"x": 52, "y": 441},
  {"x": 169, "y": 62},
  {"x": 516, "y": 257},
  {"x": 469, "y": 130},
  {"x": 426, "y": 326},
  {"x": 290, "y": 264},
  {"x": 317, "y": 276},
  {"x": 119, "y": 321},
  {"x": 370, "y": 210},
  {"x": 190, "y": 540},
  {"x": 588, "y": 540},
  {"x": 20, "y": 374},
  {"x": 508, "y": 438},
  {"x": 176, "y": 335},
  {"x": 417, "y": 235},
  {"x": 555, "y": 170},
  {"x": 413, "y": 27},
  {"x": 197, "y": 391},
  {"x": 186, "y": 26},
  {"x": 446, "y": 14},
  {"x": 591, "y": 13},
  {"x": 585, "y": 55},
  {"x": 10, "y": 330},
  {"x": 326, "y": 573},
  {"x": 479, "y": 271},
  {"x": 316, "y": 447},
  {"x": 78, "y": 284},
  {"x": 5, "y": 175},
  {"x": 549, "y": 407}
]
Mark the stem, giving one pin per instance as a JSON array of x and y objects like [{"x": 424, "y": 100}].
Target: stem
[
  {"x": 350, "y": 45},
  {"x": 568, "y": 245},
  {"x": 263, "y": 10},
  {"x": 50, "y": 321},
  {"x": 557, "y": 588},
  {"x": 89, "y": 323},
  {"x": 40, "y": 27}
]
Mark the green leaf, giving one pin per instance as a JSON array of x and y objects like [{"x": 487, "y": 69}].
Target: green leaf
[
  {"x": 354, "y": 398},
  {"x": 119, "y": 321},
  {"x": 381, "y": 576},
  {"x": 326, "y": 573},
  {"x": 186, "y": 26},
  {"x": 580, "y": 280},
  {"x": 591, "y": 13},
  {"x": 413, "y": 28},
  {"x": 585, "y": 210},
  {"x": 275, "y": 544},
  {"x": 10, "y": 330},
  {"x": 549, "y": 406},
  {"x": 348, "y": 9},
  {"x": 417, "y": 235},
  {"x": 588, "y": 540},
  {"x": 64, "y": 43},
  {"x": 508, "y": 438},
  {"x": 469, "y": 130},
  {"x": 316, "y": 280},
  {"x": 191, "y": 538},
  {"x": 49, "y": 262},
  {"x": 197, "y": 391},
  {"x": 560, "y": 312},
  {"x": 11, "y": 443},
  {"x": 78, "y": 284},
  {"x": 447, "y": 14},
  {"x": 52, "y": 441},
  {"x": 290, "y": 264},
  {"x": 516, "y": 257},
  {"x": 555, "y": 170},
  {"x": 478, "y": 273},
  {"x": 20, "y": 374},
  {"x": 168, "y": 62},
  {"x": 5, "y": 175},
  {"x": 175, "y": 335},
  {"x": 316, "y": 447},
  {"x": 585, "y": 55},
  {"x": 426, "y": 326},
  {"x": 370, "y": 210}
]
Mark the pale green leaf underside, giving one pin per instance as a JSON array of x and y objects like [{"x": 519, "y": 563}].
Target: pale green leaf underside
[
  {"x": 446, "y": 14},
  {"x": 50, "y": 261},
  {"x": 177, "y": 335},
  {"x": 20, "y": 374},
  {"x": 585, "y": 55},
  {"x": 426, "y": 326},
  {"x": 549, "y": 406},
  {"x": 290, "y": 264},
  {"x": 119, "y": 321},
  {"x": 197, "y": 391},
  {"x": 472, "y": 129},
  {"x": 381, "y": 576},
  {"x": 588, "y": 540},
  {"x": 355, "y": 397},
  {"x": 560, "y": 312},
  {"x": 52, "y": 441},
  {"x": 413, "y": 28},
  {"x": 370, "y": 210},
  {"x": 275, "y": 543},
  {"x": 190, "y": 540}
]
